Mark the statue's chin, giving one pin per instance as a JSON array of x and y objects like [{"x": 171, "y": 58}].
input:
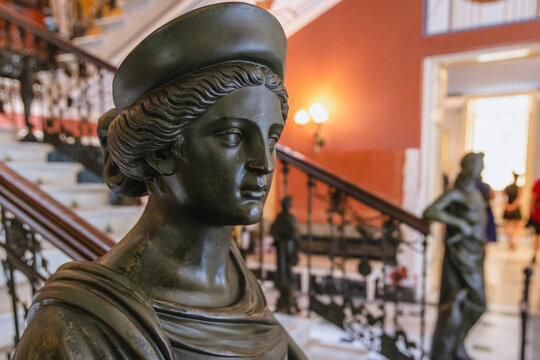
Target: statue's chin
[{"x": 253, "y": 216}]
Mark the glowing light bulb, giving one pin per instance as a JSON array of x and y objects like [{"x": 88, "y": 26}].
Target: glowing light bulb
[
  {"x": 301, "y": 117},
  {"x": 318, "y": 113}
]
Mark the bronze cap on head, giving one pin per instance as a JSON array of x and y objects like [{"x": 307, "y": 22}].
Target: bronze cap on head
[{"x": 203, "y": 37}]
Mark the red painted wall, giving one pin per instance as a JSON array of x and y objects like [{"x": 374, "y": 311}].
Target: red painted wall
[{"x": 363, "y": 60}]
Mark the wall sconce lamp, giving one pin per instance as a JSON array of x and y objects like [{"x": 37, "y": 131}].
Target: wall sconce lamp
[{"x": 318, "y": 113}]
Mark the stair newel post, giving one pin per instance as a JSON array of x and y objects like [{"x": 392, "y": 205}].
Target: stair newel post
[
  {"x": 525, "y": 311},
  {"x": 310, "y": 185},
  {"x": 423, "y": 297}
]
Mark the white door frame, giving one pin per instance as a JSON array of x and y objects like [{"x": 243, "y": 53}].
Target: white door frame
[
  {"x": 434, "y": 86},
  {"x": 434, "y": 89}
]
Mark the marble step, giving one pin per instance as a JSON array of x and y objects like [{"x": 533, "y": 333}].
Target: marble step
[
  {"x": 90, "y": 42},
  {"x": 317, "y": 350},
  {"x": 111, "y": 22},
  {"x": 112, "y": 219},
  {"x": 131, "y": 5},
  {"x": 79, "y": 196},
  {"x": 326, "y": 341},
  {"x": 42, "y": 173},
  {"x": 11, "y": 151},
  {"x": 7, "y": 133}
]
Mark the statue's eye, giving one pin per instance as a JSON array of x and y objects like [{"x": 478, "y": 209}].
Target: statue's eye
[{"x": 231, "y": 138}]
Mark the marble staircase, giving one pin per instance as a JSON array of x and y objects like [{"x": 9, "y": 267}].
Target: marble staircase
[
  {"x": 59, "y": 179},
  {"x": 318, "y": 338}
]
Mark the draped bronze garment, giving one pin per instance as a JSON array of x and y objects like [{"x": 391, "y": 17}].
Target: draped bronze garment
[{"x": 89, "y": 311}]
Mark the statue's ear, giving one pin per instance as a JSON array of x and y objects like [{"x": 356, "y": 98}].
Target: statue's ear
[{"x": 162, "y": 161}]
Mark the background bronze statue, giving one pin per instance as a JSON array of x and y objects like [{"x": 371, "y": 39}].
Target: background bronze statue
[
  {"x": 284, "y": 230},
  {"x": 462, "y": 299},
  {"x": 200, "y": 106}
]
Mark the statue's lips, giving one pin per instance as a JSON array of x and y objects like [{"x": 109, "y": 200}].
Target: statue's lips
[{"x": 253, "y": 192}]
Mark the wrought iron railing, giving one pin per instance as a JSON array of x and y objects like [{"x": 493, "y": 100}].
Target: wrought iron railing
[
  {"x": 352, "y": 242},
  {"x": 32, "y": 220},
  {"x": 445, "y": 16},
  {"x": 63, "y": 87}
]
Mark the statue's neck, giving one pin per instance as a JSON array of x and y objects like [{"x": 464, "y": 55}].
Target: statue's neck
[
  {"x": 177, "y": 257},
  {"x": 187, "y": 241}
]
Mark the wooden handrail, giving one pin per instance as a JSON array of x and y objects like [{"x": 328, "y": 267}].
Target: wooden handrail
[
  {"x": 326, "y": 176},
  {"x": 49, "y": 218},
  {"x": 42, "y": 32}
]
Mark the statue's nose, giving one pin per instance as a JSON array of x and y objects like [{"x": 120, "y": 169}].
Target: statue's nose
[{"x": 261, "y": 159}]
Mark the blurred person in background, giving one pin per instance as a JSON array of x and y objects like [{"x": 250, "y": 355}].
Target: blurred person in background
[
  {"x": 512, "y": 211},
  {"x": 534, "y": 219},
  {"x": 488, "y": 195}
]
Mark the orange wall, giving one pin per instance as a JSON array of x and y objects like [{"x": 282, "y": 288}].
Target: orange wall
[{"x": 363, "y": 60}]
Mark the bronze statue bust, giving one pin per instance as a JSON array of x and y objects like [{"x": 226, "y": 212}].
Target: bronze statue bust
[
  {"x": 200, "y": 105},
  {"x": 462, "y": 296}
]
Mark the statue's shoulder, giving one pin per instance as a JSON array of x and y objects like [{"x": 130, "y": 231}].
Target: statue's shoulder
[
  {"x": 87, "y": 308},
  {"x": 63, "y": 332}
]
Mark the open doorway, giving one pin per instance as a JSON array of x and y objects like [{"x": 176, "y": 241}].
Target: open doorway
[
  {"x": 500, "y": 119},
  {"x": 500, "y": 126}
]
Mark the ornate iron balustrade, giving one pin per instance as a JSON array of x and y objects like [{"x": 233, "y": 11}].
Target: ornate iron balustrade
[
  {"x": 32, "y": 220},
  {"x": 62, "y": 88},
  {"x": 353, "y": 273}
]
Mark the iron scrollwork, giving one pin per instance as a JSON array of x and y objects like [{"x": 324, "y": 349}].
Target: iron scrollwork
[{"x": 22, "y": 252}]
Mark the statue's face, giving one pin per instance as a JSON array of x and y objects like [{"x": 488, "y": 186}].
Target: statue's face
[
  {"x": 478, "y": 167},
  {"x": 228, "y": 158}
]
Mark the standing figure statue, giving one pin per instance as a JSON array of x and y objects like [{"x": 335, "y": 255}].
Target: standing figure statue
[
  {"x": 284, "y": 230},
  {"x": 462, "y": 299},
  {"x": 200, "y": 106}
]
